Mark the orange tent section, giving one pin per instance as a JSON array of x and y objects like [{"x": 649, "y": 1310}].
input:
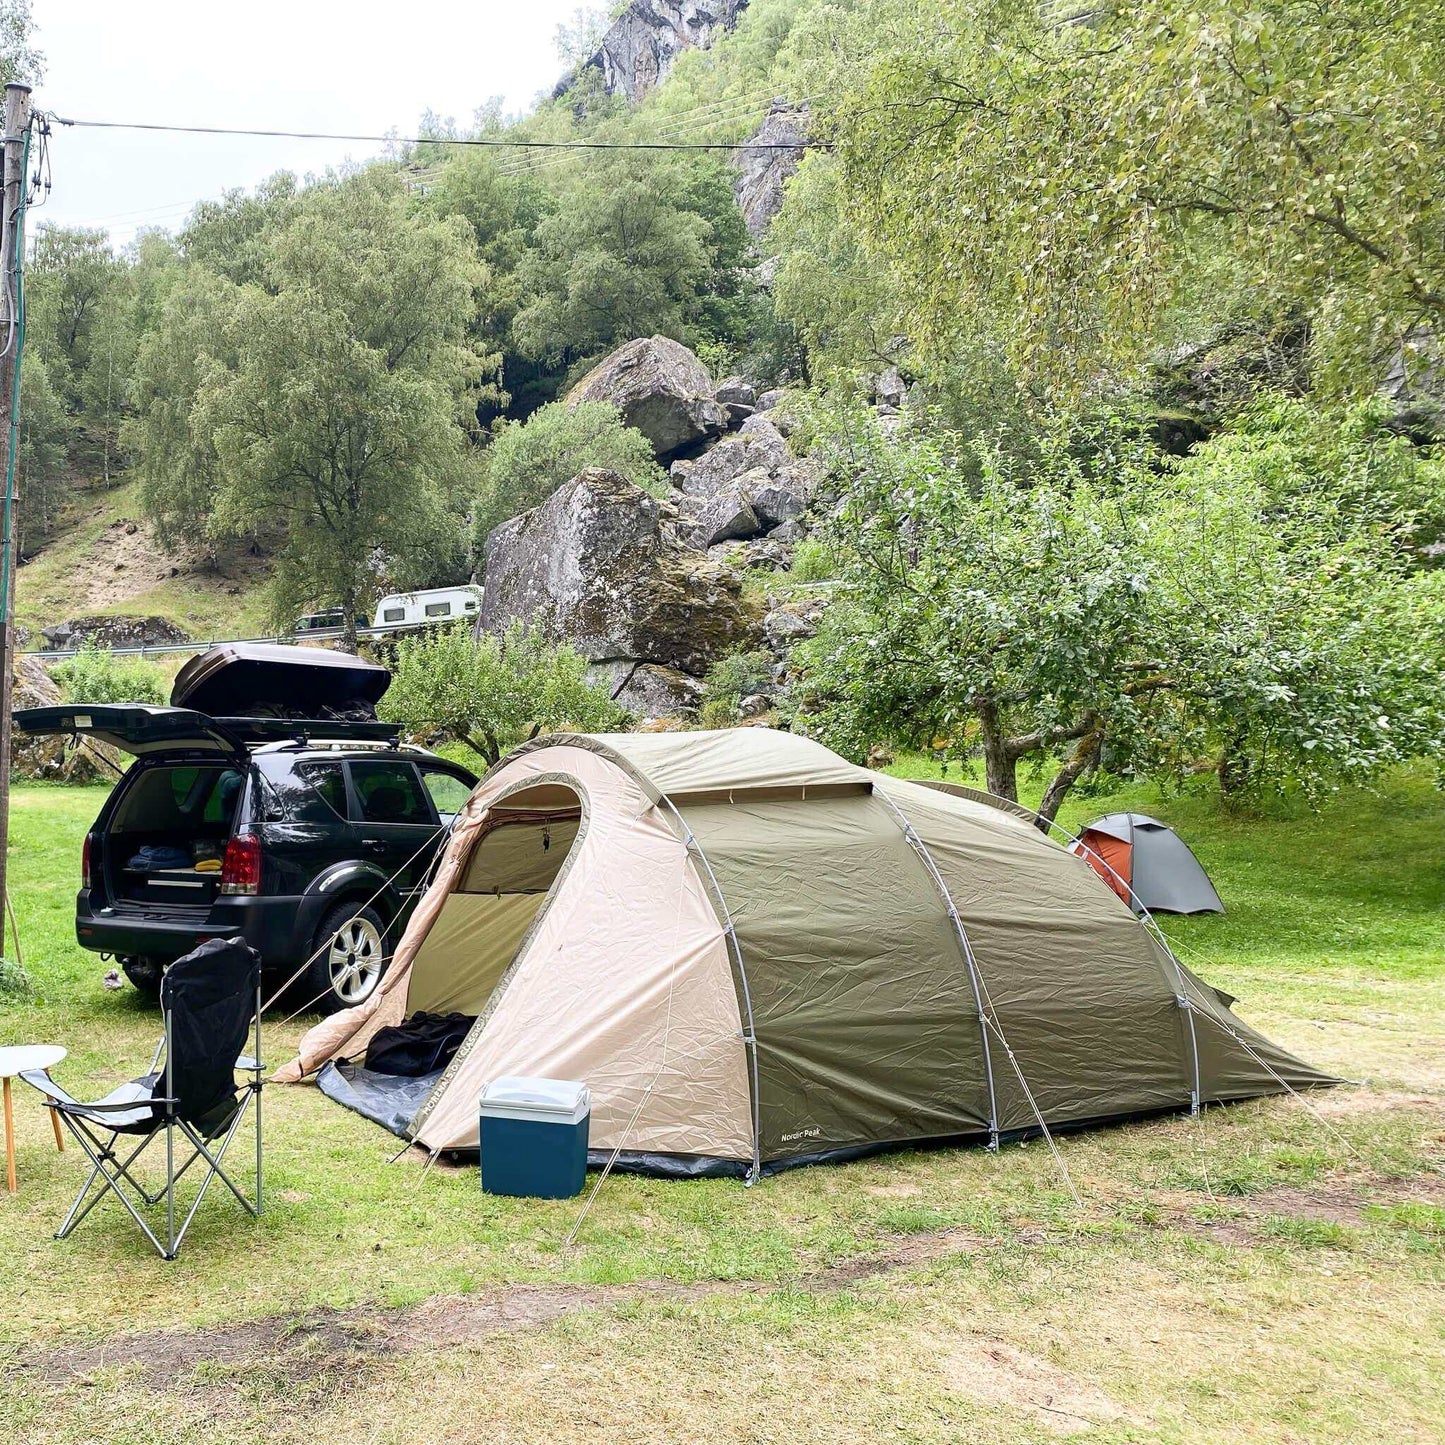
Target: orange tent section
[{"x": 1111, "y": 858}]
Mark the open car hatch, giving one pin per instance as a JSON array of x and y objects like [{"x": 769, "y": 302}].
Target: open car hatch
[
  {"x": 134, "y": 727},
  {"x": 139, "y": 729}
]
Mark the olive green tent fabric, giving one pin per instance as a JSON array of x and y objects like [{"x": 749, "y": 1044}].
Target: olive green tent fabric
[
  {"x": 519, "y": 856},
  {"x": 757, "y": 954},
  {"x": 865, "y": 1018},
  {"x": 1082, "y": 994}
]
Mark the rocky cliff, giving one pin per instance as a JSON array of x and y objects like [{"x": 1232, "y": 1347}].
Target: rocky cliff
[
  {"x": 763, "y": 168},
  {"x": 642, "y": 43}
]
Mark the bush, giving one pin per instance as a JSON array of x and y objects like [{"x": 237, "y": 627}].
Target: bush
[
  {"x": 529, "y": 460},
  {"x": 812, "y": 562},
  {"x": 494, "y": 693},
  {"x": 96, "y": 675},
  {"x": 728, "y": 682}
]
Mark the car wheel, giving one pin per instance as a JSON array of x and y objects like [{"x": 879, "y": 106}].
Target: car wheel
[
  {"x": 144, "y": 975},
  {"x": 350, "y": 949}
]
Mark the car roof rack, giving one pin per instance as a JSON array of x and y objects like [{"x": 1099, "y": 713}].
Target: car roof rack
[{"x": 258, "y": 731}]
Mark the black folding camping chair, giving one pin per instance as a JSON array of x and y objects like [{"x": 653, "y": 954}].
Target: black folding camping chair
[{"x": 210, "y": 1001}]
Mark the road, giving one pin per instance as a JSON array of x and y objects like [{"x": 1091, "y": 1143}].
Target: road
[{"x": 155, "y": 648}]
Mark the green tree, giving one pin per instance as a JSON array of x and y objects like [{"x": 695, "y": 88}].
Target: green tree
[
  {"x": 529, "y": 460},
  {"x": 232, "y": 236},
  {"x": 492, "y": 693},
  {"x": 193, "y": 341},
  {"x": 46, "y": 430},
  {"x": 623, "y": 255},
  {"x": 19, "y": 60},
  {"x": 1081, "y": 606},
  {"x": 1086, "y": 191},
  {"x": 333, "y": 400},
  {"x": 829, "y": 287},
  {"x": 72, "y": 277}
]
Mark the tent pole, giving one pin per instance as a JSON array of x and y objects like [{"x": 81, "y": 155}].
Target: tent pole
[
  {"x": 750, "y": 1037},
  {"x": 965, "y": 948}
]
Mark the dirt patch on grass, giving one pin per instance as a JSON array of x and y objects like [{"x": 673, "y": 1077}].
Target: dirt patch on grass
[
  {"x": 112, "y": 557},
  {"x": 1348, "y": 1103},
  {"x": 992, "y": 1372},
  {"x": 323, "y": 1341},
  {"x": 1244, "y": 1219}
]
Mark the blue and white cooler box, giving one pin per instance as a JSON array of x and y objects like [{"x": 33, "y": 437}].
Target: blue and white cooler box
[{"x": 534, "y": 1137}]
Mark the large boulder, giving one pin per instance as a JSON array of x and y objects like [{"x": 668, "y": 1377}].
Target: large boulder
[
  {"x": 595, "y": 566},
  {"x": 648, "y": 690},
  {"x": 660, "y": 388},
  {"x": 754, "y": 448},
  {"x": 766, "y": 161},
  {"x": 645, "y": 39},
  {"x": 54, "y": 759},
  {"x": 781, "y": 498},
  {"x": 113, "y": 632},
  {"x": 726, "y": 516}
]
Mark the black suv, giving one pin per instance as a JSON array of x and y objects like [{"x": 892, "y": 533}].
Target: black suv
[{"x": 266, "y": 802}]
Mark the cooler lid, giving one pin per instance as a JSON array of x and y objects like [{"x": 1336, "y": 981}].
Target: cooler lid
[
  {"x": 564, "y": 1097},
  {"x": 240, "y": 679}
]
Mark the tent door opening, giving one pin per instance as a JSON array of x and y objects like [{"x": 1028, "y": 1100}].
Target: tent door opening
[{"x": 518, "y": 856}]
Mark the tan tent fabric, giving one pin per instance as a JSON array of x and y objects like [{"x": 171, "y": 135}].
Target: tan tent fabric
[
  {"x": 468, "y": 949},
  {"x": 740, "y": 758},
  {"x": 751, "y": 879},
  {"x": 625, "y": 984}
]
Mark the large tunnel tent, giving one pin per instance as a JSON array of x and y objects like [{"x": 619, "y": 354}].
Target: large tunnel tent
[
  {"x": 757, "y": 955},
  {"x": 1148, "y": 865}
]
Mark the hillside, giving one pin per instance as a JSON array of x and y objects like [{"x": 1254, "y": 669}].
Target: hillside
[{"x": 105, "y": 560}]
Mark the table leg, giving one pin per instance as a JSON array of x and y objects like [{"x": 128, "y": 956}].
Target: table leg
[
  {"x": 9, "y": 1140},
  {"x": 55, "y": 1124}
]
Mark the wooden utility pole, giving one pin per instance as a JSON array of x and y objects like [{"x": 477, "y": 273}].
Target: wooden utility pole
[{"x": 17, "y": 124}]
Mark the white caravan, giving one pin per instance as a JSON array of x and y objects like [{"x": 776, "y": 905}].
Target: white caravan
[{"x": 435, "y": 604}]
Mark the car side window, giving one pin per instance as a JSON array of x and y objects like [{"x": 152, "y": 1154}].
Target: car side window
[
  {"x": 323, "y": 800},
  {"x": 448, "y": 791},
  {"x": 390, "y": 792}
]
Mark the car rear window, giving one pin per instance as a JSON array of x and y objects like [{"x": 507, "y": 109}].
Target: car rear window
[
  {"x": 390, "y": 792},
  {"x": 200, "y": 799}
]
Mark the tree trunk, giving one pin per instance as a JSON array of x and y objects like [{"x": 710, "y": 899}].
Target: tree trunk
[
  {"x": 1000, "y": 766},
  {"x": 1083, "y": 759},
  {"x": 348, "y": 624},
  {"x": 1233, "y": 771},
  {"x": 484, "y": 746}
]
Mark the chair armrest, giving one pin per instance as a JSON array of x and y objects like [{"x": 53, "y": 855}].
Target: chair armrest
[
  {"x": 247, "y": 1065},
  {"x": 70, "y": 1106},
  {"x": 57, "y": 1098},
  {"x": 39, "y": 1079}
]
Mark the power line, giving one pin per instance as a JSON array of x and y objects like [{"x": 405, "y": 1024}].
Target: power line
[{"x": 492, "y": 141}]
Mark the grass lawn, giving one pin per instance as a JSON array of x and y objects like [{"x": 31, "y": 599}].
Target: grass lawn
[{"x": 1268, "y": 1272}]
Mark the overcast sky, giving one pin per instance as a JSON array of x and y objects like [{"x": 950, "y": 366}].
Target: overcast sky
[{"x": 358, "y": 66}]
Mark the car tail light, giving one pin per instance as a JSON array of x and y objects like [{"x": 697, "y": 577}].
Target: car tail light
[
  {"x": 85, "y": 863},
  {"x": 241, "y": 867}
]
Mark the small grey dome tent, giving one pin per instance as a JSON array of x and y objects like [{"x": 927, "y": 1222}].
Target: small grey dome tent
[
  {"x": 758, "y": 955},
  {"x": 1148, "y": 865}
]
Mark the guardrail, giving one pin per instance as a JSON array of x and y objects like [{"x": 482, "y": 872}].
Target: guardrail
[{"x": 147, "y": 649}]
